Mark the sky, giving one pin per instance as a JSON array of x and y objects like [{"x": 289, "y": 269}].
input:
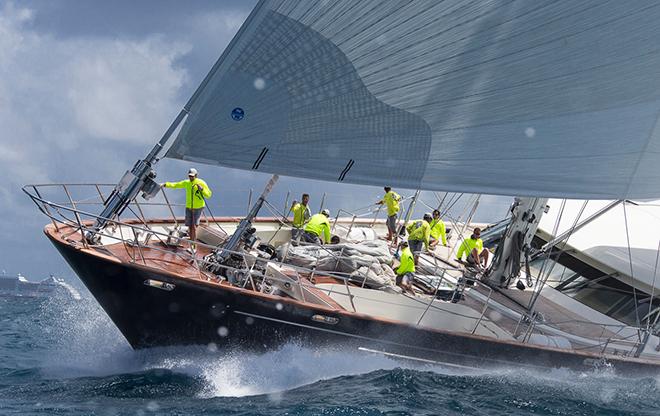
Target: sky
[{"x": 88, "y": 87}]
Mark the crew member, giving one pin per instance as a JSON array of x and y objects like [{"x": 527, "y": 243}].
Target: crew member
[
  {"x": 473, "y": 248},
  {"x": 197, "y": 191},
  {"x": 317, "y": 230},
  {"x": 405, "y": 272},
  {"x": 391, "y": 200},
  {"x": 438, "y": 231},
  {"x": 419, "y": 233},
  {"x": 301, "y": 214}
]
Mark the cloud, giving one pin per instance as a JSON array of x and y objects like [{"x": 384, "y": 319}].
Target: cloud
[
  {"x": 219, "y": 24},
  {"x": 64, "y": 99}
]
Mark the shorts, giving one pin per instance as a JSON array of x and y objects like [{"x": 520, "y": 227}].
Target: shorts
[
  {"x": 406, "y": 279},
  {"x": 416, "y": 246},
  {"x": 311, "y": 238},
  {"x": 193, "y": 215},
  {"x": 391, "y": 224}
]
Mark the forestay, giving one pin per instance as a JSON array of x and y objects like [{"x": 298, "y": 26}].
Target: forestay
[{"x": 539, "y": 98}]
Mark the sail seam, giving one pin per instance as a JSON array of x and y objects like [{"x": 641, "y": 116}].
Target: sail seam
[
  {"x": 348, "y": 167},
  {"x": 260, "y": 158}
]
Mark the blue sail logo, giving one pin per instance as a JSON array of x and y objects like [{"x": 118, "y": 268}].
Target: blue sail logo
[{"x": 237, "y": 114}]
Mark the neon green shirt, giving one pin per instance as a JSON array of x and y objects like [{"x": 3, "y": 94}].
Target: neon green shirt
[
  {"x": 468, "y": 245},
  {"x": 194, "y": 200},
  {"x": 301, "y": 213},
  {"x": 438, "y": 230},
  {"x": 391, "y": 200},
  {"x": 419, "y": 230},
  {"x": 407, "y": 262},
  {"x": 320, "y": 226}
]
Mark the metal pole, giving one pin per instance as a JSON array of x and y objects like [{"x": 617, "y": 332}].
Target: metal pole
[
  {"x": 322, "y": 202},
  {"x": 409, "y": 212},
  {"x": 287, "y": 208}
]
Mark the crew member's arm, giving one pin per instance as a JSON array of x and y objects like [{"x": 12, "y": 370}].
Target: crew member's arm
[
  {"x": 180, "y": 184},
  {"x": 206, "y": 191},
  {"x": 461, "y": 251},
  {"x": 326, "y": 232},
  {"x": 427, "y": 237}
]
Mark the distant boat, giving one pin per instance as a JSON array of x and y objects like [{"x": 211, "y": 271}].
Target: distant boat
[{"x": 19, "y": 286}]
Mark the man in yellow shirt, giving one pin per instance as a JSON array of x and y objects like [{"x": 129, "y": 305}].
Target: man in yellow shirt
[
  {"x": 301, "y": 214},
  {"x": 197, "y": 191},
  {"x": 419, "y": 233},
  {"x": 317, "y": 230},
  {"x": 438, "y": 230},
  {"x": 391, "y": 201},
  {"x": 405, "y": 273},
  {"x": 473, "y": 248}
]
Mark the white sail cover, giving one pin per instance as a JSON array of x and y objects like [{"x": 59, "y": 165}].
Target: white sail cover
[{"x": 556, "y": 98}]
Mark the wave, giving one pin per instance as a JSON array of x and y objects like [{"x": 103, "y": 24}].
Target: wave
[{"x": 79, "y": 345}]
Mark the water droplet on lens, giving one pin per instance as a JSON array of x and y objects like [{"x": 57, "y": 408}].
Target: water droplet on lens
[{"x": 259, "y": 83}]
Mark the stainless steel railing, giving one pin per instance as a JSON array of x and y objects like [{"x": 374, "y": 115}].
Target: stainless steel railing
[{"x": 69, "y": 218}]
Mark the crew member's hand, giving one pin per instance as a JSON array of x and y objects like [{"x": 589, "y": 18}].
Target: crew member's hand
[{"x": 162, "y": 185}]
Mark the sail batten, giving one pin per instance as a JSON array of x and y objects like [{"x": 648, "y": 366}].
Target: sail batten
[{"x": 544, "y": 98}]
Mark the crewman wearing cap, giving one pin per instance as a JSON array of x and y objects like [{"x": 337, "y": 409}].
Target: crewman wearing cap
[
  {"x": 197, "y": 192},
  {"x": 317, "y": 230},
  {"x": 419, "y": 232}
]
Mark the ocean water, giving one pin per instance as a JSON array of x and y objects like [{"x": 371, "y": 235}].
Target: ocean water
[{"x": 64, "y": 357}]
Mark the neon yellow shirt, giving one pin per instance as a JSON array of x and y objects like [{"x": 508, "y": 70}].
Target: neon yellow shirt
[
  {"x": 407, "y": 262},
  {"x": 419, "y": 230},
  {"x": 301, "y": 213},
  {"x": 194, "y": 200},
  {"x": 319, "y": 225},
  {"x": 438, "y": 230},
  {"x": 468, "y": 245},
  {"x": 391, "y": 200}
]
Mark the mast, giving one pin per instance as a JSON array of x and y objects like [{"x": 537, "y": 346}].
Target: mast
[
  {"x": 516, "y": 242},
  {"x": 242, "y": 232}
]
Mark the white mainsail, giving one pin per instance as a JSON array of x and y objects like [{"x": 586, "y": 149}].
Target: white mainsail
[{"x": 544, "y": 98}]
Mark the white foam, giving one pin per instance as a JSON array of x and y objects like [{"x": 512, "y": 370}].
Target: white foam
[{"x": 88, "y": 344}]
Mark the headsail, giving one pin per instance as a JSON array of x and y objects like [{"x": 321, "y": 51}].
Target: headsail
[{"x": 544, "y": 98}]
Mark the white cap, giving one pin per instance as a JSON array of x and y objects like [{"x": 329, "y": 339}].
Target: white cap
[
  {"x": 192, "y": 172},
  {"x": 326, "y": 212}
]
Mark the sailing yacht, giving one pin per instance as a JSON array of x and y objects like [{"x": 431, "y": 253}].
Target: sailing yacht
[{"x": 535, "y": 100}]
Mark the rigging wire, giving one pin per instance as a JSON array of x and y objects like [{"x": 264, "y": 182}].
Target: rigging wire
[
  {"x": 632, "y": 278},
  {"x": 563, "y": 249},
  {"x": 655, "y": 273}
]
